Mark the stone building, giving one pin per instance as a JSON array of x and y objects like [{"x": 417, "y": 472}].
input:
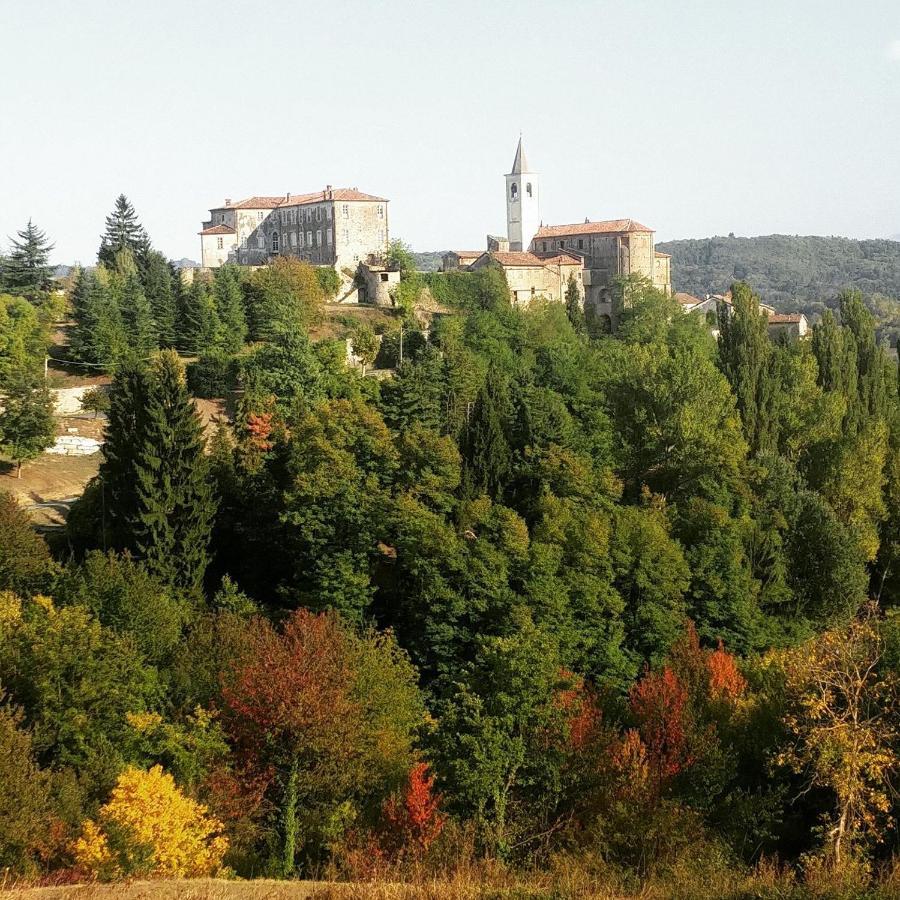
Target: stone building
[
  {"x": 336, "y": 227},
  {"x": 453, "y": 260},
  {"x": 531, "y": 277}
]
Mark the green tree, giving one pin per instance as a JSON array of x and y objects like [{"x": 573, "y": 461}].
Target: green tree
[
  {"x": 27, "y": 425},
  {"x": 201, "y": 328},
  {"x": 136, "y": 312},
  {"x": 745, "y": 358},
  {"x": 365, "y": 346},
  {"x": 575, "y": 305},
  {"x": 157, "y": 283},
  {"x": 123, "y": 232},
  {"x": 486, "y": 452},
  {"x": 23, "y": 338},
  {"x": 399, "y": 256},
  {"x": 25, "y": 564},
  {"x": 229, "y": 301},
  {"x": 26, "y": 270},
  {"x": 175, "y": 503}
]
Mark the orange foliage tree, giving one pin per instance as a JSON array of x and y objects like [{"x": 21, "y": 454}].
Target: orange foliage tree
[{"x": 414, "y": 816}]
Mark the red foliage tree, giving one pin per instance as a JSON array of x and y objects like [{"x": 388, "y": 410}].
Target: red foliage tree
[
  {"x": 415, "y": 817},
  {"x": 725, "y": 681}
]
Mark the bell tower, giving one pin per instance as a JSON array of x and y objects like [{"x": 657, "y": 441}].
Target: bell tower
[{"x": 523, "y": 202}]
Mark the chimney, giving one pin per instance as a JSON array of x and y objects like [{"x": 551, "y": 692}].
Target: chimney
[
  {"x": 228, "y": 201},
  {"x": 287, "y": 196}
]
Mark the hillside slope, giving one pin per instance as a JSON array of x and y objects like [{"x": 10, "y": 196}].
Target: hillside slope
[{"x": 789, "y": 272}]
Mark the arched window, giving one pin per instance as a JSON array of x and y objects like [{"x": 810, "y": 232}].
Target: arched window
[
  {"x": 528, "y": 188},
  {"x": 274, "y": 241},
  {"x": 514, "y": 191}
]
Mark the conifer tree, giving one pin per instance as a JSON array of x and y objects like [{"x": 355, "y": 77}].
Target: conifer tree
[
  {"x": 229, "y": 303},
  {"x": 123, "y": 232},
  {"x": 859, "y": 332},
  {"x": 160, "y": 291},
  {"x": 27, "y": 269},
  {"x": 176, "y": 506},
  {"x": 486, "y": 451},
  {"x": 831, "y": 355},
  {"x": 201, "y": 327},
  {"x": 574, "y": 305},
  {"x": 137, "y": 316},
  {"x": 124, "y": 435},
  {"x": 745, "y": 355}
]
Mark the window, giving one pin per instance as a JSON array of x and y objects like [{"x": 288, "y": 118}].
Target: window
[
  {"x": 261, "y": 241},
  {"x": 559, "y": 245},
  {"x": 293, "y": 238},
  {"x": 301, "y": 238},
  {"x": 380, "y": 212},
  {"x": 274, "y": 241},
  {"x": 222, "y": 218},
  {"x": 244, "y": 244},
  {"x": 346, "y": 235},
  {"x": 514, "y": 191},
  {"x": 259, "y": 216},
  {"x": 309, "y": 214},
  {"x": 545, "y": 246},
  {"x": 319, "y": 237},
  {"x": 318, "y": 213},
  {"x": 528, "y": 188},
  {"x": 580, "y": 243},
  {"x": 384, "y": 276},
  {"x": 328, "y": 213},
  {"x": 309, "y": 238},
  {"x": 329, "y": 236},
  {"x": 345, "y": 210},
  {"x": 219, "y": 244}
]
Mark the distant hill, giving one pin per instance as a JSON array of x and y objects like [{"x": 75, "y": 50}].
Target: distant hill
[
  {"x": 792, "y": 273},
  {"x": 428, "y": 260}
]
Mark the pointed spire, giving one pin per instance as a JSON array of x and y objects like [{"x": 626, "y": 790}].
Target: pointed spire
[{"x": 520, "y": 163}]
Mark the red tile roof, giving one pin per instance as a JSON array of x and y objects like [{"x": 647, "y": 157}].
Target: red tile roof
[
  {"x": 662, "y": 255},
  {"x": 517, "y": 258},
  {"x": 467, "y": 254},
  {"x": 612, "y": 226},
  {"x": 785, "y": 318},
  {"x": 338, "y": 194},
  {"x": 687, "y": 299},
  {"x": 218, "y": 229},
  {"x": 560, "y": 259}
]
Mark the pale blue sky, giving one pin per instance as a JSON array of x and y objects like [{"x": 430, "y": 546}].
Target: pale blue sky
[{"x": 696, "y": 117}]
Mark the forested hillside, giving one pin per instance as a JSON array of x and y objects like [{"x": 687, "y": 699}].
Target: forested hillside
[{"x": 547, "y": 606}]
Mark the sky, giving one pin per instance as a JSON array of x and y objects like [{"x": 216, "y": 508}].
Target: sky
[{"x": 692, "y": 116}]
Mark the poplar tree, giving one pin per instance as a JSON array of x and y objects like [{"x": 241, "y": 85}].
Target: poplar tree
[
  {"x": 27, "y": 268},
  {"x": 745, "y": 358},
  {"x": 175, "y": 503}
]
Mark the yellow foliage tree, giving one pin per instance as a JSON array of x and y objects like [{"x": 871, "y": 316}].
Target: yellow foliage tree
[
  {"x": 150, "y": 827},
  {"x": 843, "y": 709}
]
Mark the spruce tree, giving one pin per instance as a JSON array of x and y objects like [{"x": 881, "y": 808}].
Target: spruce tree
[
  {"x": 229, "y": 301},
  {"x": 176, "y": 506},
  {"x": 27, "y": 270},
  {"x": 201, "y": 328},
  {"x": 158, "y": 287},
  {"x": 123, "y": 232},
  {"x": 125, "y": 432},
  {"x": 745, "y": 358},
  {"x": 83, "y": 316}
]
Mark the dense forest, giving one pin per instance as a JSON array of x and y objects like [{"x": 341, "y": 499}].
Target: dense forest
[
  {"x": 793, "y": 273},
  {"x": 546, "y": 608}
]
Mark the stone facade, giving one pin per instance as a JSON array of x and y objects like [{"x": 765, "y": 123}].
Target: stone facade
[
  {"x": 531, "y": 277},
  {"x": 336, "y": 227},
  {"x": 453, "y": 260},
  {"x": 376, "y": 282}
]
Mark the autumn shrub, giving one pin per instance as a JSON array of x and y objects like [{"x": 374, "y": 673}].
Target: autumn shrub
[{"x": 148, "y": 827}]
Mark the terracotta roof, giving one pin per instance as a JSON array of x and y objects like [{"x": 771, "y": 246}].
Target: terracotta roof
[
  {"x": 468, "y": 254},
  {"x": 687, "y": 299},
  {"x": 662, "y": 255},
  {"x": 785, "y": 318},
  {"x": 560, "y": 259},
  {"x": 218, "y": 229},
  {"x": 517, "y": 258},
  {"x": 612, "y": 226},
  {"x": 339, "y": 194}
]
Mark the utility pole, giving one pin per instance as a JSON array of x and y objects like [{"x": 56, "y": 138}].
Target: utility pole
[{"x": 401, "y": 343}]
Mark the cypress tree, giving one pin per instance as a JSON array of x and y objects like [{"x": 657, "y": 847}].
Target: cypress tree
[
  {"x": 176, "y": 506},
  {"x": 486, "y": 452},
  {"x": 159, "y": 289},
  {"x": 26, "y": 270},
  {"x": 229, "y": 301},
  {"x": 871, "y": 387},
  {"x": 123, "y": 232},
  {"x": 745, "y": 356}
]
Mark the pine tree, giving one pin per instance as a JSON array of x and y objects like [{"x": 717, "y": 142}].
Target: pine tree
[
  {"x": 123, "y": 232},
  {"x": 745, "y": 355},
  {"x": 137, "y": 315},
  {"x": 27, "y": 426},
  {"x": 176, "y": 506},
  {"x": 486, "y": 451},
  {"x": 26, "y": 270},
  {"x": 159, "y": 289},
  {"x": 81, "y": 336},
  {"x": 229, "y": 302}
]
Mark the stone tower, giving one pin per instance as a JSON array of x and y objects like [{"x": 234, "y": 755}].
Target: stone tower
[{"x": 523, "y": 202}]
